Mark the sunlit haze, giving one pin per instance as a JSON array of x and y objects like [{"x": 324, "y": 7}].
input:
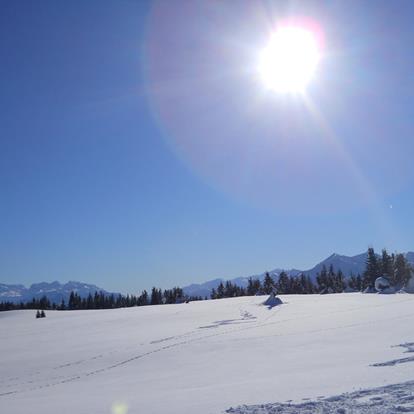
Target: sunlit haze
[{"x": 163, "y": 143}]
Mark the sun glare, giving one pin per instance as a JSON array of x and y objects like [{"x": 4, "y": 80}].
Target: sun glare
[{"x": 290, "y": 59}]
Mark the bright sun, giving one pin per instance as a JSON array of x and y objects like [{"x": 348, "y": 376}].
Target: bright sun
[{"x": 289, "y": 61}]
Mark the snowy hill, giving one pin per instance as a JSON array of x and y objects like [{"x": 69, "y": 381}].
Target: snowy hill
[
  {"x": 348, "y": 264},
  {"x": 209, "y": 356},
  {"x": 54, "y": 291}
]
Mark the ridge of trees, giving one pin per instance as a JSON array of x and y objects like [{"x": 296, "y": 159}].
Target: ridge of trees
[
  {"x": 392, "y": 266},
  {"x": 100, "y": 300}
]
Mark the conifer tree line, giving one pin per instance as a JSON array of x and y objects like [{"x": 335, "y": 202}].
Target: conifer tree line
[
  {"x": 100, "y": 300},
  {"x": 392, "y": 266},
  {"x": 285, "y": 285}
]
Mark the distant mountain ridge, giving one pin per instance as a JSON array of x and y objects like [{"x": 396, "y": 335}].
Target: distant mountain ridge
[
  {"x": 348, "y": 264},
  {"x": 54, "y": 291}
]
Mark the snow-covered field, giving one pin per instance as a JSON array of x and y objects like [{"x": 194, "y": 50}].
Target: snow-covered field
[{"x": 206, "y": 357}]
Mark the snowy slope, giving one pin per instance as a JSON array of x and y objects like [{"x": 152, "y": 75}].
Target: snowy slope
[{"x": 203, "y": 357}]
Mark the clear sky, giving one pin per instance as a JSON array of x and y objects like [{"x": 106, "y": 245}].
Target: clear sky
[{"x": 139, "y": 147}]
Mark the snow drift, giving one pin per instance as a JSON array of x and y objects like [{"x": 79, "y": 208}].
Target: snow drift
[{"x": 272, "y": 301}]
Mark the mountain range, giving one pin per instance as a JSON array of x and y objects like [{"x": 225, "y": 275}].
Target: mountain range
[
  {"x": 348, "y": 264},
  {"x": 56, "y": 291}
]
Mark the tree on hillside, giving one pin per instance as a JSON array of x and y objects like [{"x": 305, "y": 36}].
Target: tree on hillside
[
  {"x": 156, "y": 296},
  {"x": 322, "y": 279},
  {"x": 372, "y": 269},
  {"x": 143, "y": 299},
  {"x": 387, "y": 265},
  {"x": 331, "y": 278},
  {"x": 268, "y": 284},
  {"x": 294, "y": 285},
  {"x": 253, "y": 286},
  {"x": 339, "y": 284},
  {"x": 402, "y": 271},
  {"x": 220, "y": 290},
  {"x": 283, "y": 284},
  {"x": 309, "y": 286},
  {"x": 355, "y": 282},
  {"x": 304, "y": 284}
]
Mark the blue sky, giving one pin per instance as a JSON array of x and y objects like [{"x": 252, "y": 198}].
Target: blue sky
[{"x": 139, "y": 148}]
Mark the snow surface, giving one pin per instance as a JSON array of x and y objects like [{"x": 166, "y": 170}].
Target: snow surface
[
  {"x": 397, "y": 398},
  {"x": 209, "y": 356}
]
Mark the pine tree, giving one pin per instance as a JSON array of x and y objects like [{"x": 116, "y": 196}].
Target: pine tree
[
  {"x": 155, "y": 296},
  {"x": 387, "y": 265},
  {"x": 268, "y": 284},
  {"x": 72, "y": 300},
  {"x": 402, "y": 272},
  {"x": 353, "y": 282},
  {"x": 143, "y": 298},
  {"x": 44, "y": 302},
  {"x": 253, "y": 286},
  {"x": 220, "y": 291},
  {"x": 303, "y": 283},
  {"x": 310, "y": 287},
  {"x": 322, "y": 279},
  {"x": 283, "y": 284},
  {"x": 331, "y": 279},
  {"x": 339, "y": 282},
  {"x": 372, "y": 270},
  {"x": 359, "y": 282},
  {"x": 294, "y": 285}
]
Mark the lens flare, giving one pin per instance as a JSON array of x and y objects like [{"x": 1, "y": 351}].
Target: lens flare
[{"x": 119, "y": 408}]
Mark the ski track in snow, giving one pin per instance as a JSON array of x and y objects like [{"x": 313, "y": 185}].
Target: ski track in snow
[
  {"x": 393, "y": 362},
  {"x": 396, "y": 398},
  {"x": 246, "y": 317},
  {"x": 409, "y": 348},
  {"x": 388, "y": 399},
  {"x": 23, "y": 386}
]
